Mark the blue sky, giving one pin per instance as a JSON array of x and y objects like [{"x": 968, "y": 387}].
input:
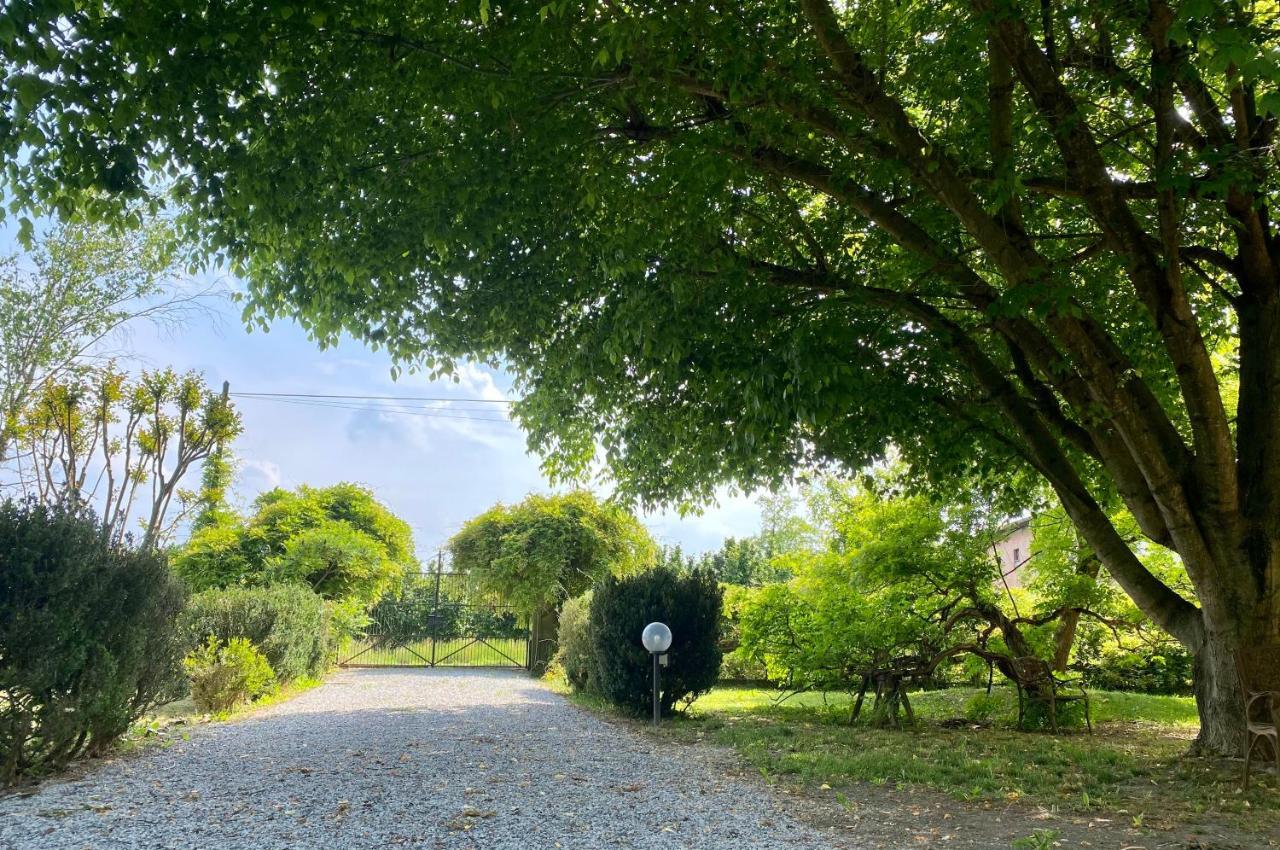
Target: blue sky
[{"x": 434, "y": 471}]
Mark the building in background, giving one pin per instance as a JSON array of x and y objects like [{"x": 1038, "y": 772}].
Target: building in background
[{"x": 1013, "y": 550}]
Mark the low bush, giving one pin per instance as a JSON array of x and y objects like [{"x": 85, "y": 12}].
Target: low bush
[
  {"x": 87, "y": 640},
  {"x": 223, "y": 675},
  {"x": 621, "y": 669},
  {"x": 982, "y": 708},
  {"x": 1162, "y": 669},
  {"x": 286, "y": 622},
  {"x": 573, "y": 650}
]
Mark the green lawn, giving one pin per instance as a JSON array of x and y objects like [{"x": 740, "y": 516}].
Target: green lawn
[
  {"x": 1133, "y": 765},
  {"x": 458, "y": 652}
]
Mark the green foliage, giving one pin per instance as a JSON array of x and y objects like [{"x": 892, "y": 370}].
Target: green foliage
[
  {"x": 216, "y": 474},
  {"x": 123, "y": 443},
  {"x": 549, "y": 548},
  {"x": 981, "y": 707},
  {"x": 223, "y": 675},
  {"x": 573, "y": 650},
  {"x": 738, "y": 665},
  {"x": 715, "y": 244},
  {"x": 338, "y": 561},
  {"x": 748, "y": 561},
  {"x": 87, "y": 641},
  {"x": 339, "y": 540},
  {"x": 80, "y": 284},
  {"x": 1163, "y": 668},
  {"x": 621, "y": 669},
  {"x": 879, "y": 597},
  {"x": 219, "y": 555},
  {"x": 287, "y": 622}
]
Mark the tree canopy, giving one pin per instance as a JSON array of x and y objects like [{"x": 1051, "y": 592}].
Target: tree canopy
[
  {"x": 340, "y": 540},
  {"x": 547, "y": 549},
  {"x": 718, "y": 242}
]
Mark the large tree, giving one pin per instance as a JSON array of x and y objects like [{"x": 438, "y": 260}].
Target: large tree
[
  {"x": 546, "y": 549},
  {"x": 720, "y": 240}
]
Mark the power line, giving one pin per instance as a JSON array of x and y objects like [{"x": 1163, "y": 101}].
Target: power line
[
  {"x": 436, "y": 413},
  {"x": 374, "y": 397}
]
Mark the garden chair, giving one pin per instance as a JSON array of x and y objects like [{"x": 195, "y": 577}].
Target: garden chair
[
  {"x": 1260, "y": 686},
  {"x": 1037, "y": 683}
]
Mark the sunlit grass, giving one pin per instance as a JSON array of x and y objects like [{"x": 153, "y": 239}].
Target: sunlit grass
[{"x": 1134, "y": 765}]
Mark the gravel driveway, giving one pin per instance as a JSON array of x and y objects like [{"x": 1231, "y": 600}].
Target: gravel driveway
[{"x": 414, "y": 758}]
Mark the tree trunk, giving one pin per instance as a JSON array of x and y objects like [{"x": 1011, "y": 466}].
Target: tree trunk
[{"x": 1219, "y": 700}]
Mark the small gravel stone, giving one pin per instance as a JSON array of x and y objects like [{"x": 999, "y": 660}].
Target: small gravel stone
[{"x": 410, "y": 758}]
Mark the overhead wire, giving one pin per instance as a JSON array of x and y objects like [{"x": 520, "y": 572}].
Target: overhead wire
[{"x": 334, "y": 402}]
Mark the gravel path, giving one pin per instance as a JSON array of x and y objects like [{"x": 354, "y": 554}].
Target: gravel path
[{"x": 414, "y": 758}]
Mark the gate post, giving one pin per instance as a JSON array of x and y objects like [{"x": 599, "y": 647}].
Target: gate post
[{"x": 542, "y": 639}]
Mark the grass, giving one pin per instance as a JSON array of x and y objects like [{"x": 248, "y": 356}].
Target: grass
[
  {"x": 1133, "y": 766},
  {"x": 457, "y": 652}
]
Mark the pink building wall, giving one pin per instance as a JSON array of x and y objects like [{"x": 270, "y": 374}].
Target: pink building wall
[{"x": 1013, "y": 551}]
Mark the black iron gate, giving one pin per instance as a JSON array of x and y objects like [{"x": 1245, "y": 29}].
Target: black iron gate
[{"x": 439, "y": 620}]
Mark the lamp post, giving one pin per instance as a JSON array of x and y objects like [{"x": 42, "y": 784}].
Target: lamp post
[{"x": 656, "y": 638}]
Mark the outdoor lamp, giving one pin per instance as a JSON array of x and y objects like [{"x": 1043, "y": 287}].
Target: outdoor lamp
[{"x": 656, "y": 638}]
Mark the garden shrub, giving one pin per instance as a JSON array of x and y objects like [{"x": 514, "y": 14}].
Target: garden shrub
[
  {"x": 621, "y": 668},
  {"x": 87, "y": 640},
  {"x": 223, "y": 675},
  {"x": 286, "y": 622},
  {"x": 1162, "y": 669},
  {"x": 573, "y": 651}
]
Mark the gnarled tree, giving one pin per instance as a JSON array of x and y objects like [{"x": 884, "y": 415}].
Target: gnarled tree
[{"x": 721, "y": 240}]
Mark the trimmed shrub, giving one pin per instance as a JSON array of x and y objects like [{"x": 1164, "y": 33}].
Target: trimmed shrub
[
  {"x": 621, "y": 668},
  {"x": 573, "y": 650},
  {"x": 286, "y": 622},
  {"x": 87, "y": 640},
  {"x": 225, "y": 675}
]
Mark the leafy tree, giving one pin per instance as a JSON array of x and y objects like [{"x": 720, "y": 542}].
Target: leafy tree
[
  {"x": 547, "y": 549},
  {"x": 723, "y": 241},
  {"x": 338, "y": 540},
  {"x": 338, "y": 561},
  {"x": 124, "y": 444},
  {"x": 80, "y": 284}
]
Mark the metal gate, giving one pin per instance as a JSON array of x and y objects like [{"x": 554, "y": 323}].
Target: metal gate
[{"x": 439, "y": 620}]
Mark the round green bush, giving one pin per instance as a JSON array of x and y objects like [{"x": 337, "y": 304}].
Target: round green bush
[
  {"x": 285, "y": 621},
  {"x": 621, "y": 668},
  {"x": 225, "y": 675},
  {"x": 87, "y": 639}
]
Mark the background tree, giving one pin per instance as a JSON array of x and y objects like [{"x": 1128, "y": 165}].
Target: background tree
[
  {"x": 122, "y": 444},
  {"x": 80, "y": 285},
  {"x": 550, "y": 548},
  {"x": 340, "y": 540},
  {"x": 723, "y": 242}
]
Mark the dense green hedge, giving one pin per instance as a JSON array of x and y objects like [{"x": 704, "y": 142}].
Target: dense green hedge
[
  {"x": 285, "y": 621},
  {"x": 87, "y": 640},
  {"x": 621, "y": 668}
]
